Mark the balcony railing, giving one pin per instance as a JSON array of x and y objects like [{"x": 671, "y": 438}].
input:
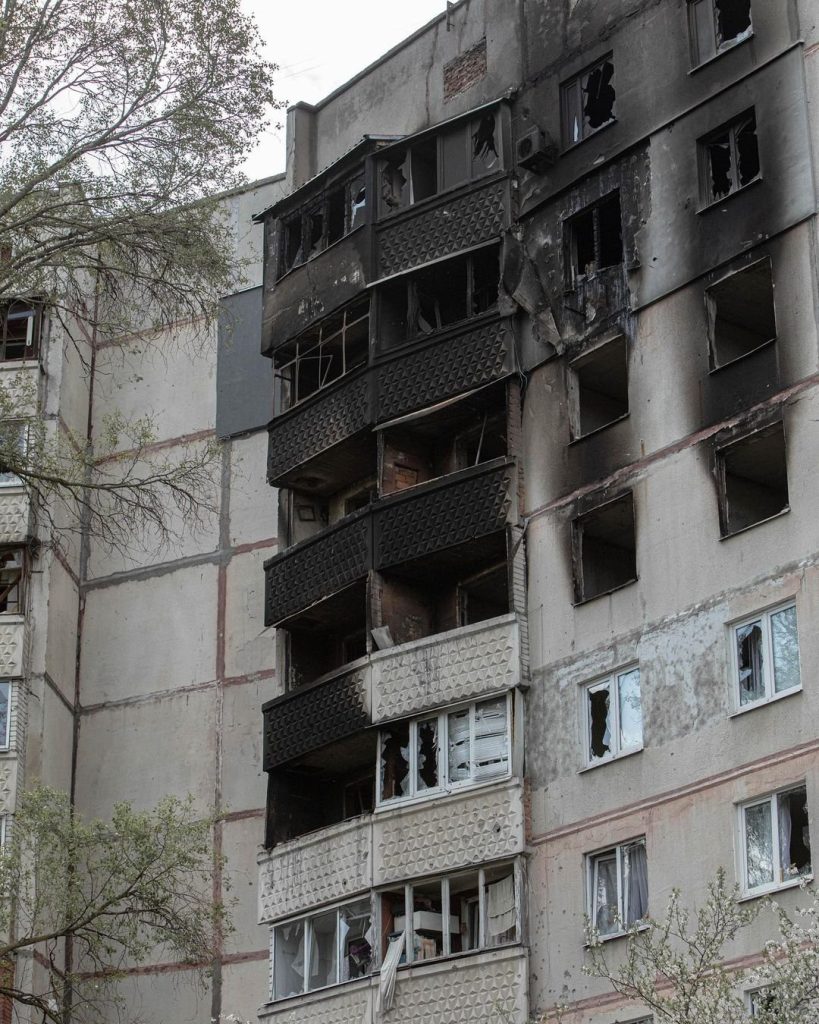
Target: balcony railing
[{"x": 411, "y": 524}]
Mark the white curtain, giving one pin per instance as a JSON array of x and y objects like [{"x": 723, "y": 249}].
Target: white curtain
[
  {"x": 389, "y": 972},
  {"x": 500, "y": 906},
  {"x": 783, "y": 808},
  {"x": 637, "y": 881}
]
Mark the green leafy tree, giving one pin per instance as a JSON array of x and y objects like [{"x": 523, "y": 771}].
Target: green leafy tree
[{"x": 100, "y": 897}]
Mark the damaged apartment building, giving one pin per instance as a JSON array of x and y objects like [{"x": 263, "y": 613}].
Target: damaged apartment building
[{"x": 540, "y": 302}]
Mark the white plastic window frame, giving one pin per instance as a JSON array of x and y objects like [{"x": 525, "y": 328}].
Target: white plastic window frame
[
  {"x": 768, "y": 677},
  {"x": 6, "y": 694},
  {"x": 444, "y": 784},
  {"x": 483, "y": 929},
  {"x": 307, "y": 938},
  {"x": 772, "y": 800},
  {"x": 612, "y": 681},
  {"x": 592, "y": 860}
]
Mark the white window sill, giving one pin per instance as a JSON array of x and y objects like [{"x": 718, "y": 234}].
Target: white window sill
[
  {"x": 753, "y": 526},
  {"x": 621, "y": 935},
  {"x": 600, "y": 762},
  {"x": 764, "y": 701},
  {"x": 791, "y": 883},
  {"x": 732, "y": 44}
]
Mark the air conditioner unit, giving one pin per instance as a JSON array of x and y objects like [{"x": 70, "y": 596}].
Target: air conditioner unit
[{"x": 536, "y": 151}]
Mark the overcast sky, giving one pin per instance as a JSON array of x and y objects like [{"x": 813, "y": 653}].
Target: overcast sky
[{"x": 319, "y": 44}]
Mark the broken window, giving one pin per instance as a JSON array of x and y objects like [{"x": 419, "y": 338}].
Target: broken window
[
  {"x": 321, "y": 355},
  {"x": 484, "y": 595},
  {"x": 717, "y": 25},
  {"x": 12, "y": 562},
  {"x": 323, "y": 949},
  {"x": 604, "y": 549},
  {"x": 753, "y": 479},
  {"x": 729, "y": 158},
  {"x": 741, "y": 314},
  {"x": 13, "y": 447},
  {"x": 21, "y": 329},
  {"x": 475, "y": 739},
  {"x": 595, "y": 239},
  {"x": 761, "y": 1001},
  {"x": 587, "y": 102},
  {"x": 618, "y": 888},
  {"x": 5, "y": 714},
  {"x": 598, "y": 387},
  {"x": 439, "y": 296},
  {"x": 766, "y": 655},
  {"x": 775, "y": 842},
  {"x": 614, "y": 716}
]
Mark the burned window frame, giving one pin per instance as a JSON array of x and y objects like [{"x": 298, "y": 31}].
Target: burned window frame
[
  {"x": 575, "y": 387},
  {"x": 299, "y": 220},
  {"x": 445, "y": 784},
  {"x": 712, "y": 312},
  {"x": 32, "y": 312},
  {"x": 6, "y": 694},
  {"x": 571, "y": 99},
  {"x": 593, "y": 906},
  {"x": 707, "y": 49},
  {"x": 573, "y": 277},
  {"x": 766, "y": 659},
  {"x": 780, "y": 879},
  {"x": 705, "y": 146},
  {"x": 469, "y": 126},
  {"x": 577, "y": 532},
  {"x": 612, "y": 683},
  {"x": 18, "y": 584},
  {"x": 722, "y": 451}
]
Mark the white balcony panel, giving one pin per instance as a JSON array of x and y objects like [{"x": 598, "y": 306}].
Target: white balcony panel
[
  {"x": 14, "y": 513},
  {"x": 12, "y": 638}
]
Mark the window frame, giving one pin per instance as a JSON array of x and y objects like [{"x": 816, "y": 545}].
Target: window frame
[
  {"x": 704, "y": 143},
  {"x": 34, "y": 315},
  {"x": 771, "y": 799},
  {"x": 718, "y": 48},
  {"x": 722, "y": 449},
  {"x": 612, "y": 681},
  {"x": 712, "y": 311},
  {"x": 592, "y": 860},
  {"x": 568, "y": 91},
  {"x": 573, "y": 279},
  {"x": 768, "y": 675},
  {"x": 21, "y": 579},
  {"x": 5, "y": 735},
  {"x": 445, "y": 785},
  {"x": 574, "y": 387},
  {"x": 7, "y": 477},
  {"x": 578, "y": 525}
]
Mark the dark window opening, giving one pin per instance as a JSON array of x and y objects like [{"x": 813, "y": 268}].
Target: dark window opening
[
  {"x": 741, "y": 314},
  {"x": 598, "y": 387},
  {"x": 12, "y": 564},
  {"x": 595, "y": 238},
  {"x": 717, "y": 25},
  {"x": 20, "y": 330},
  {"x": 336, "y": 211},
  {"x": 484, "y": 595},
  {"x": 604, "y": 549},
  {"x": 485, "y": 155},
  {"x": 733, "y": 19},
  {"x": 326, "y": 637},
  {"x": 753, "y": 479},
  {"x": 587, "y": 102},
  {"x": 795, "y": 841},
  {"x": 438, "y": 296},
  {"x": 316, "y": 240},
  {"x": 730, "y": 158},
  {"x": 424, "y": 170},
  {"x": 599, "y": 719},
  {"x": 395, "y": 761}
]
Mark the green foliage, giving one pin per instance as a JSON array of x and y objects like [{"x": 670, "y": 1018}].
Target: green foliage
[{"x": 123, "y": 892}]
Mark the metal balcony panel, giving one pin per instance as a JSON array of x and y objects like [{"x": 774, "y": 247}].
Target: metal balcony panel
[
  {"x": 318, "y": 567},
  {"x": 313, "y": 716},
  {"x": 443, "y": 367},
  {"x": 443, "y": 226},
  {"x": 445, "y": 669}
]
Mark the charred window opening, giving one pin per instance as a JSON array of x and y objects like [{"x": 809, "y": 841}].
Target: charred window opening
[
  {"x": 741, "y": 314},
  {"x": 729, "y": 158},
  {"x": 587, "y": 102},
  {"x": 598, "y": 387},
  {"x": 326, "y": 351},
  {"x": 437, "y": 162},
  {"x": 439, "y": 296},
  {"x": 604, "y": 549},
  {"x": 595, "y": 239},
  {"x": 753, "y": 479},
  {"x": 717, "y": 25},
  {"x": 21, "y": 330},
  {"x": 326, "y": 219},
  {"x": 326, "y": 637},
  {"x": 12, "y": 566},
  {"x": 484, "y": 595}
]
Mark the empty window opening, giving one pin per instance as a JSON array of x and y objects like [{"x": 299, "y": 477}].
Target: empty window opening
[
  {"x": 775, "y": 840},
  {"x": 336, "y": 214},
  {"x": 595, "y": 239},
  {"x": 423, "y": 170},
  {"x": 618, "y": 888},
  {"x": 587, "y": 102},
  {"x": 741, "y": 314},
  {"x": 717, "y": 25},
  {"x": 753, "y": 479},
  {"x": 729, "y": 158},
  {"x": 485, "y": 155},
  {"x": 12, "y": 562},
  {"x": 614, "y": 716},
  {"x": 766, "y": 656},
  {"x": 484, "y": 595},
  {"x": 598, "y": 387},
  {"x": 20, "y": 330},
  {"x": 605, "y": 550},
  {"x": 326, "y": 637},
  {"x": 321, "y": 355}
]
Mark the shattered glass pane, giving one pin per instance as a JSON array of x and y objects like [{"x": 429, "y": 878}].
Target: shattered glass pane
[
  {"x": 357, "y": 940},
  {"x": 759, "y": 845},
  {"x": 631, "y": 712},
  {"x": 747, "y": 150},
  {"x": 749, "y": 663},
  {"x": 599, "y": 722},
  {"x": 785, "y": 646},
  {"x": 358, "y": 201},
  {"x": 395, "y": 773},
  {"x": 427, "y": 754},
  {"x": 719, "y": 161},
  {"x": 733, "y": 20},
  {"x": 606, "y": 908},
  {"x": 491, "y": 753},
  {"x": 323, "y": 946},
  {"x": 458, "y": 735},
  {"x": 288, "y": 959},
  {"x": 485, "y": 156},
  {"x": 599, "y": 106}
]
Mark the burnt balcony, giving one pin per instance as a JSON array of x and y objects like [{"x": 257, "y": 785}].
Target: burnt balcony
[{"x": 461, "y": 515}]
